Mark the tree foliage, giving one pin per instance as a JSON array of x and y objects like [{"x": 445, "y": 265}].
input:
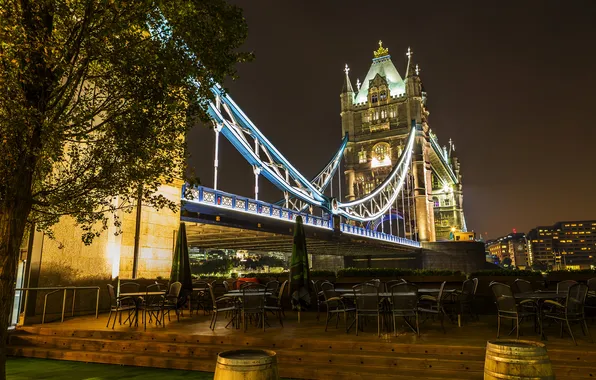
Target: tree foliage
[{"x": 95, "y": 102}]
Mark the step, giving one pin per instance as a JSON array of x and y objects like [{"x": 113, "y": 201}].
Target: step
[{"x": 304, "y": 371}]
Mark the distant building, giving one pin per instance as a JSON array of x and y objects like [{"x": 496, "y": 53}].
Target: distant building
[
  {"x": 564, "y": 245},
  {"x": 513, "y": 246}
]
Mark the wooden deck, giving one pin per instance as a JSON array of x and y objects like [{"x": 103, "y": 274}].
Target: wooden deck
[{"x": 304, "y": 349}]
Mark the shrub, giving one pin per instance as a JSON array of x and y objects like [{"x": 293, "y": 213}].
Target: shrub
[
  {"x": 322, "y": 273},
  {"x": 586, "y": 271},
  {"x": 394, "y": 272},
  {"x": 505, "y": 272}
]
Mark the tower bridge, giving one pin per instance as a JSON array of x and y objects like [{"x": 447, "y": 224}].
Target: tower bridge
[{"x": 401, "y": 187}]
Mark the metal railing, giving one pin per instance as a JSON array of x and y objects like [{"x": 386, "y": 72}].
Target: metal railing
[{"x": 55, "y": 289}]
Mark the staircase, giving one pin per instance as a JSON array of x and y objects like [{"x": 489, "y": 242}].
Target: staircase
[{"x": 314, "y": 358}]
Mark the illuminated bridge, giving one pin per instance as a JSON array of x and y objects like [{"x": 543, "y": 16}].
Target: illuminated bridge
[{"x": 399, "y": 180}]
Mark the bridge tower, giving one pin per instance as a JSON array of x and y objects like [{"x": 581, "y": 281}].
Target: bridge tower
[{"x": 377, "y": 116}]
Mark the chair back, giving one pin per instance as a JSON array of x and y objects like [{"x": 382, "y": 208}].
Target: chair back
[
  {"x": 523, "y": 286},
  {"x": 504, "y": 297},
  {"x": 272, "y": 287},
  {"x": 329, "y": 292},
  {"x": 366, "y": 297},
  {"x": 253, "y": 297},
  {"x": 475, "y": 280},
  {"x": 563, "y": 286},
  {"x": 592, "y": 284},
  {"x": 281, "y": 292},
  {"x": 112, "y": 294},
  {"x": 576, "y": 299},
  {"x": 376, "y": 282},
  {"x": 154, "y": 300},
  {"x": 404, "y": 297},
  {"x": 234, "y": 284},
  {"x": 467, "y": 290},
  {"x": 175, "y": 288},
  {"x": 212, "y": 295},
  {"x": 440, "y": 295},
  {"x": 390, "y": 283},
  {"x": 226, "y": 285},
  {"x": 315, "y": 286},
  {"x": 128, "y": 287}
]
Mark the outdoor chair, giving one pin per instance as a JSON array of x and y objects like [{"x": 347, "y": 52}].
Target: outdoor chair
[
  {"x": 464, "y": 298},
  {"x": 376, "y": 282},
  {"x": 226, "y": 286},
  {"x": 523, "y": 286},
  {"x": 591, "y": 297},
  {"x": 571, "y": 311},
  {"x": 253, "y": 304},
  {"x": 172, "y": 300},
  {"x": 335, "y": 305},
  {"x": 563, "y": 286},
  {"x": 277, "y": 309},
  {"x": 118, "y": 305},
  {"x": 153, "y": 305},
  {"x": 366, "y": 299},
  {"x": 391, "y": 283},
  {"x": 508, "y": 308},
  {"x": 200, "y": 299},
  {"x": 319, "y": 298},
  {"x": 404, "y": 303},
  {"x": 434, "y": 305},
  {"x": 128, "y": 287},
  {"x": 272, "y": 287},
  {"x": 222, "y": 305}
]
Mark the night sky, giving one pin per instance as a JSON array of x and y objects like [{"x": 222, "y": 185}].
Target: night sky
[{"x": 513, "y": 84}]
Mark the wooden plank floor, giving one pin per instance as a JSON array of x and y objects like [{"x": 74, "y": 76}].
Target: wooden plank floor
[{"x": 304, "y": 349}]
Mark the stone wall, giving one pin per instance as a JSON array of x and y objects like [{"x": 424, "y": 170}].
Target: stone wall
[
  {"x": 157, "y": 238},
  {"x": 463, "y": 256}
]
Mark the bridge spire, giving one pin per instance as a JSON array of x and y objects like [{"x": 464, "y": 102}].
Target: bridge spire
[
  {"x": 412, "y": 70},
  {"x": 347, "y": 87}
]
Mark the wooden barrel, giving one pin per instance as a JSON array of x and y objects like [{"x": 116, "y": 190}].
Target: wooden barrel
[
  {"x": 517, "y": 360},
  {"x": 246, "y": 365}
]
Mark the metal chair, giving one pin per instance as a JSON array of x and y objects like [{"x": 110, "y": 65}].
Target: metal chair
[
  {"x": 222, "y": 305},
  {"x": 319, "y": 298},
  {"x": 591, "y": 296},
  {"x": 571, "y": 311},
  {"x": 128, "y": 287},
  {"x": 272, "y": 287},
  {"x": 200, "y": 298},
  {"x": 335, "y": 305},
  {"x": 366, "y": 298},
  {"x": 278, "y": 307},
  {"x": 434, "y": 305},
  {"x": 508, "y": 308},
  {"x": 391, "y": 283},
  {"x": 523, "y": 286},
  {"x": 464, "y": 299},
  {"x": 172, "y": 300},
  {"x": 253, "y": 304},
  {"x": 563, "y": 286},
  {"x": 153, "y": 305},
  {"x": 404, "y": 303},
  {"x": 118, "y": 305}
]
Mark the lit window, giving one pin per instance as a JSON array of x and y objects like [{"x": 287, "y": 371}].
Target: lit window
[
  {"x": 381, "y": 156},
  {"x": 383, "y": 95},
  {"x": 362, "y": 156}
]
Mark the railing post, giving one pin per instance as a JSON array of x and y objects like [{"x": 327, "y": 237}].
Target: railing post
[
  {"x": 74, "y": 294},
  {"x": 97, "y": 304},
  {"x": 63, "y": 303}
]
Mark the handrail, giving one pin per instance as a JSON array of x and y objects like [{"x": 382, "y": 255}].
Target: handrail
[{"x": 55, "y": 289}]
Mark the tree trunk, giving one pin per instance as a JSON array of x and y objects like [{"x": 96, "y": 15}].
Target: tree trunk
[{"x": 12, "y": 228}]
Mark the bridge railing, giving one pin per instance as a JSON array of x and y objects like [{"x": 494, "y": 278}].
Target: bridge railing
[
  {"x": 221, "y": 199},
  {"x": 355, "y": 230}
]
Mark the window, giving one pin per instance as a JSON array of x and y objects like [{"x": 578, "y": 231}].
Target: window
[
  {"x": 446, "y": 202},
  {"x": 373, "y": 98},
  {"x": 362, "y": 156},
  {"x": 383, "y": 114},
  {"x": 436, "y": 201},
  {"x": 381, "y": 155},
  {"x": 383, "y": 95}
]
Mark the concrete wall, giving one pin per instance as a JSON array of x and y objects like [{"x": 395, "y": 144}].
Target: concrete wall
[
  {"x": 327, "y": 262},
  {"x": 463, "y": 256}
]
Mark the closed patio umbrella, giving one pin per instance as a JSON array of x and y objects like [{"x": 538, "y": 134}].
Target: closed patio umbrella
[
  {"x": 299, "y": 271},
  {"x": 181, "y": 265}
]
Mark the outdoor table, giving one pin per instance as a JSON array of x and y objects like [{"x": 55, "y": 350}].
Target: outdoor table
[
  {"x": 137, "y": 295},
  {"x": 260, "y": 292},
  {"x": 539, "y": 297}
]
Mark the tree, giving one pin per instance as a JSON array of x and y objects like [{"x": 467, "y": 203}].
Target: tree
[{"x": 95, "y": 102}]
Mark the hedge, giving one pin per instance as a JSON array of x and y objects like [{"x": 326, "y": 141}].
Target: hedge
[
  {"x": 393, "y": 272},
  {"x": 505, "y": 272}
]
